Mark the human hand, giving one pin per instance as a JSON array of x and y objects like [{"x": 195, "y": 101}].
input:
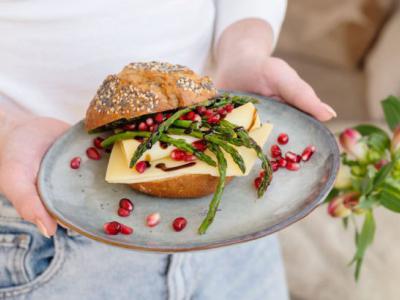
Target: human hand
[
  {"x": 21, "y": 153},
  {"x": 244, "y": 64}
]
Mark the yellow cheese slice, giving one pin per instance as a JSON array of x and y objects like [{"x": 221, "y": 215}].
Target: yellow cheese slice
[
  {"x": 118, "y": 170},
  {"x": 245, "y": 116}
]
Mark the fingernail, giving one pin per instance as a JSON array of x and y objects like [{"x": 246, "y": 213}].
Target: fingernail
[
  {"x": 42, "y": 228},
  {"x": 330, "y": 110}
]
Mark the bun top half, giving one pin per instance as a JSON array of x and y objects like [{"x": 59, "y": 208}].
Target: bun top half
[{"x": 146, "y": 87}]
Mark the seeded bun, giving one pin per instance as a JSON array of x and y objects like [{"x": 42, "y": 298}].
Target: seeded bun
[
  {"x": 185, "y": 186},
  {"x": 144, "y": 88}
]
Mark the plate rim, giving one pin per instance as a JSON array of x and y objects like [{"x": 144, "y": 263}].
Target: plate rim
[{"x": 305, "y": 211}]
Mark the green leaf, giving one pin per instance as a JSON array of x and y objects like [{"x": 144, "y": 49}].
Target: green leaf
[
  {"x": 389, "y": 197},
  {"x": 367, "y": 202},
  {"x": 383, "y": 173},
  {"x": 366, "y": 184},
  {"x": 378, "y": 142},
  {"x": 332, "y": 194},
  {"x": 391, "y": 109},
  {"x": 367, "y": 129}
]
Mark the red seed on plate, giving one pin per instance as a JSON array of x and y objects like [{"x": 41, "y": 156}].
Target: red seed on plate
[
  {"x": 153, "y": 219},
  {"x": 159, "y": 118},
  {"x": 141, "y": 166},
  {"x": 179, "y": 224},
  {"x": 149, "y": 121},
  {"x": 112, "y": 228},
  {"x": 276, "y": 151},
  {"x": 190, "y": 115},
  {"x": 177, "y": 154},
  {"x": 189, "y": 157},
  {"x": 75, "y": 162},
  {"x": 282, "y": 162},
  {"x": 308, "y": 152},
  {"x": 200, "y": 145},
  {"x": 213, "y": 119},
  {"x": 283, "y": 139},
  {"x": 209, "y": 112},
  {"x": 274, "y": 165},
  {"x": 291, "y": 156},
  {"x": 126, "y": 203},
  {"x": 142, "y": 126},
  {"x": 129, "y": 127},
  {"x": 125, "y": 229},
  {"x": 201, "y": 110},
  {"x": 122, "y": 212},
  {"x": 197, "y": 118},
  {"x": 229, "y": 107},
  {"x": 97, "y": 142},
  {"x": 92, "y": 153},
  {"x": 292, "y": 166},
  {"x": 257, "y": 182}
]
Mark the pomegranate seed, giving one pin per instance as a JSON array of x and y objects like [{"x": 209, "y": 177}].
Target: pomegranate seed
[
  {"x": 153, "y": 219},
  {"x": 182, "y": 117},
  {"x": 129, "y": 127},
  {"x": 179, "y": 224},
  {"x": 292, "y": 166},
  {"x": 298, "y": 158},
  {"x": 97, "y": 142},
  {"x": 126, "y": 204},
  {"x": 159, "y": 118},
  {"x": 213, "y": 119},
  {"x": 92, "y": 153},
  {"x": 189, "y": 157},
  {"x": 257, "y": 182},
  {"x": 142, "y": 126},
  {"x": 153, "y": 128},
  {"x": 122, "y": 212},
  {"x": 308, "y": 152},
  {"x": 283, "y": 139},
  {"x": 197, "y": 118},
  {"x": 168, "y": 115},
  {"x": 112, "y": 228},
  {"x": 261, "y": 174},
  {"x": 149, "y": 121},
  {"x": 290, "y": 156},
  {"x": 141, "y": 166},
  {"x": 221, "y": 110},
  {"x": 75, "y": 162},
  {"x": 229, "y": 107},
  {"x": 209, "y": 112},
  {"x": 125, "y": 229},
  {"x": 190, "y": 115},
  {"x": 177, "y": 154},
  {"x": 282, "y": 162},
  {"x": 274, "y": 165},
  {"x": 201, "y": 110},
  {"x": 276, "y": 151},
  {"x": 200, "y": 145}
]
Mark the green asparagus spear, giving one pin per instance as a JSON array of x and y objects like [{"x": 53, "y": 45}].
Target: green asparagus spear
[
  {"x": 250, "y": 143},
  {"x": 222, "y": 165},
  {"x": 124, "y": 136}
]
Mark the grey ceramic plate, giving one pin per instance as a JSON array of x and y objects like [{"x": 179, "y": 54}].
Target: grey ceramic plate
[{"x": 83, "y": 201}]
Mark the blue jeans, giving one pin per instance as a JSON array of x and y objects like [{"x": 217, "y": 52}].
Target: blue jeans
[{"x": 70, "y": 266}]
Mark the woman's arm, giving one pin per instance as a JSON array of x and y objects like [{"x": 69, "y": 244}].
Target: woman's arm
[
  {"x": 244, "y": 63},
  {"x": 24, "y": 140}
]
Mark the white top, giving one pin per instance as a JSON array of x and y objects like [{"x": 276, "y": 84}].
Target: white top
[{"x": 54, "y": 54}]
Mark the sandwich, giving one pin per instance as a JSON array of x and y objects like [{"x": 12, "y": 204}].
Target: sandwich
[{"x": 172, "y": 135}]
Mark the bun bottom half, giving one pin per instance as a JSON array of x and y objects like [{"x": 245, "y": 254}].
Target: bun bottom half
[{"x": 185, "y": 186}]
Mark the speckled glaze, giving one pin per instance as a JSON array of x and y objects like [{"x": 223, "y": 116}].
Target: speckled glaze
[{"x": 83, "y": 201}]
